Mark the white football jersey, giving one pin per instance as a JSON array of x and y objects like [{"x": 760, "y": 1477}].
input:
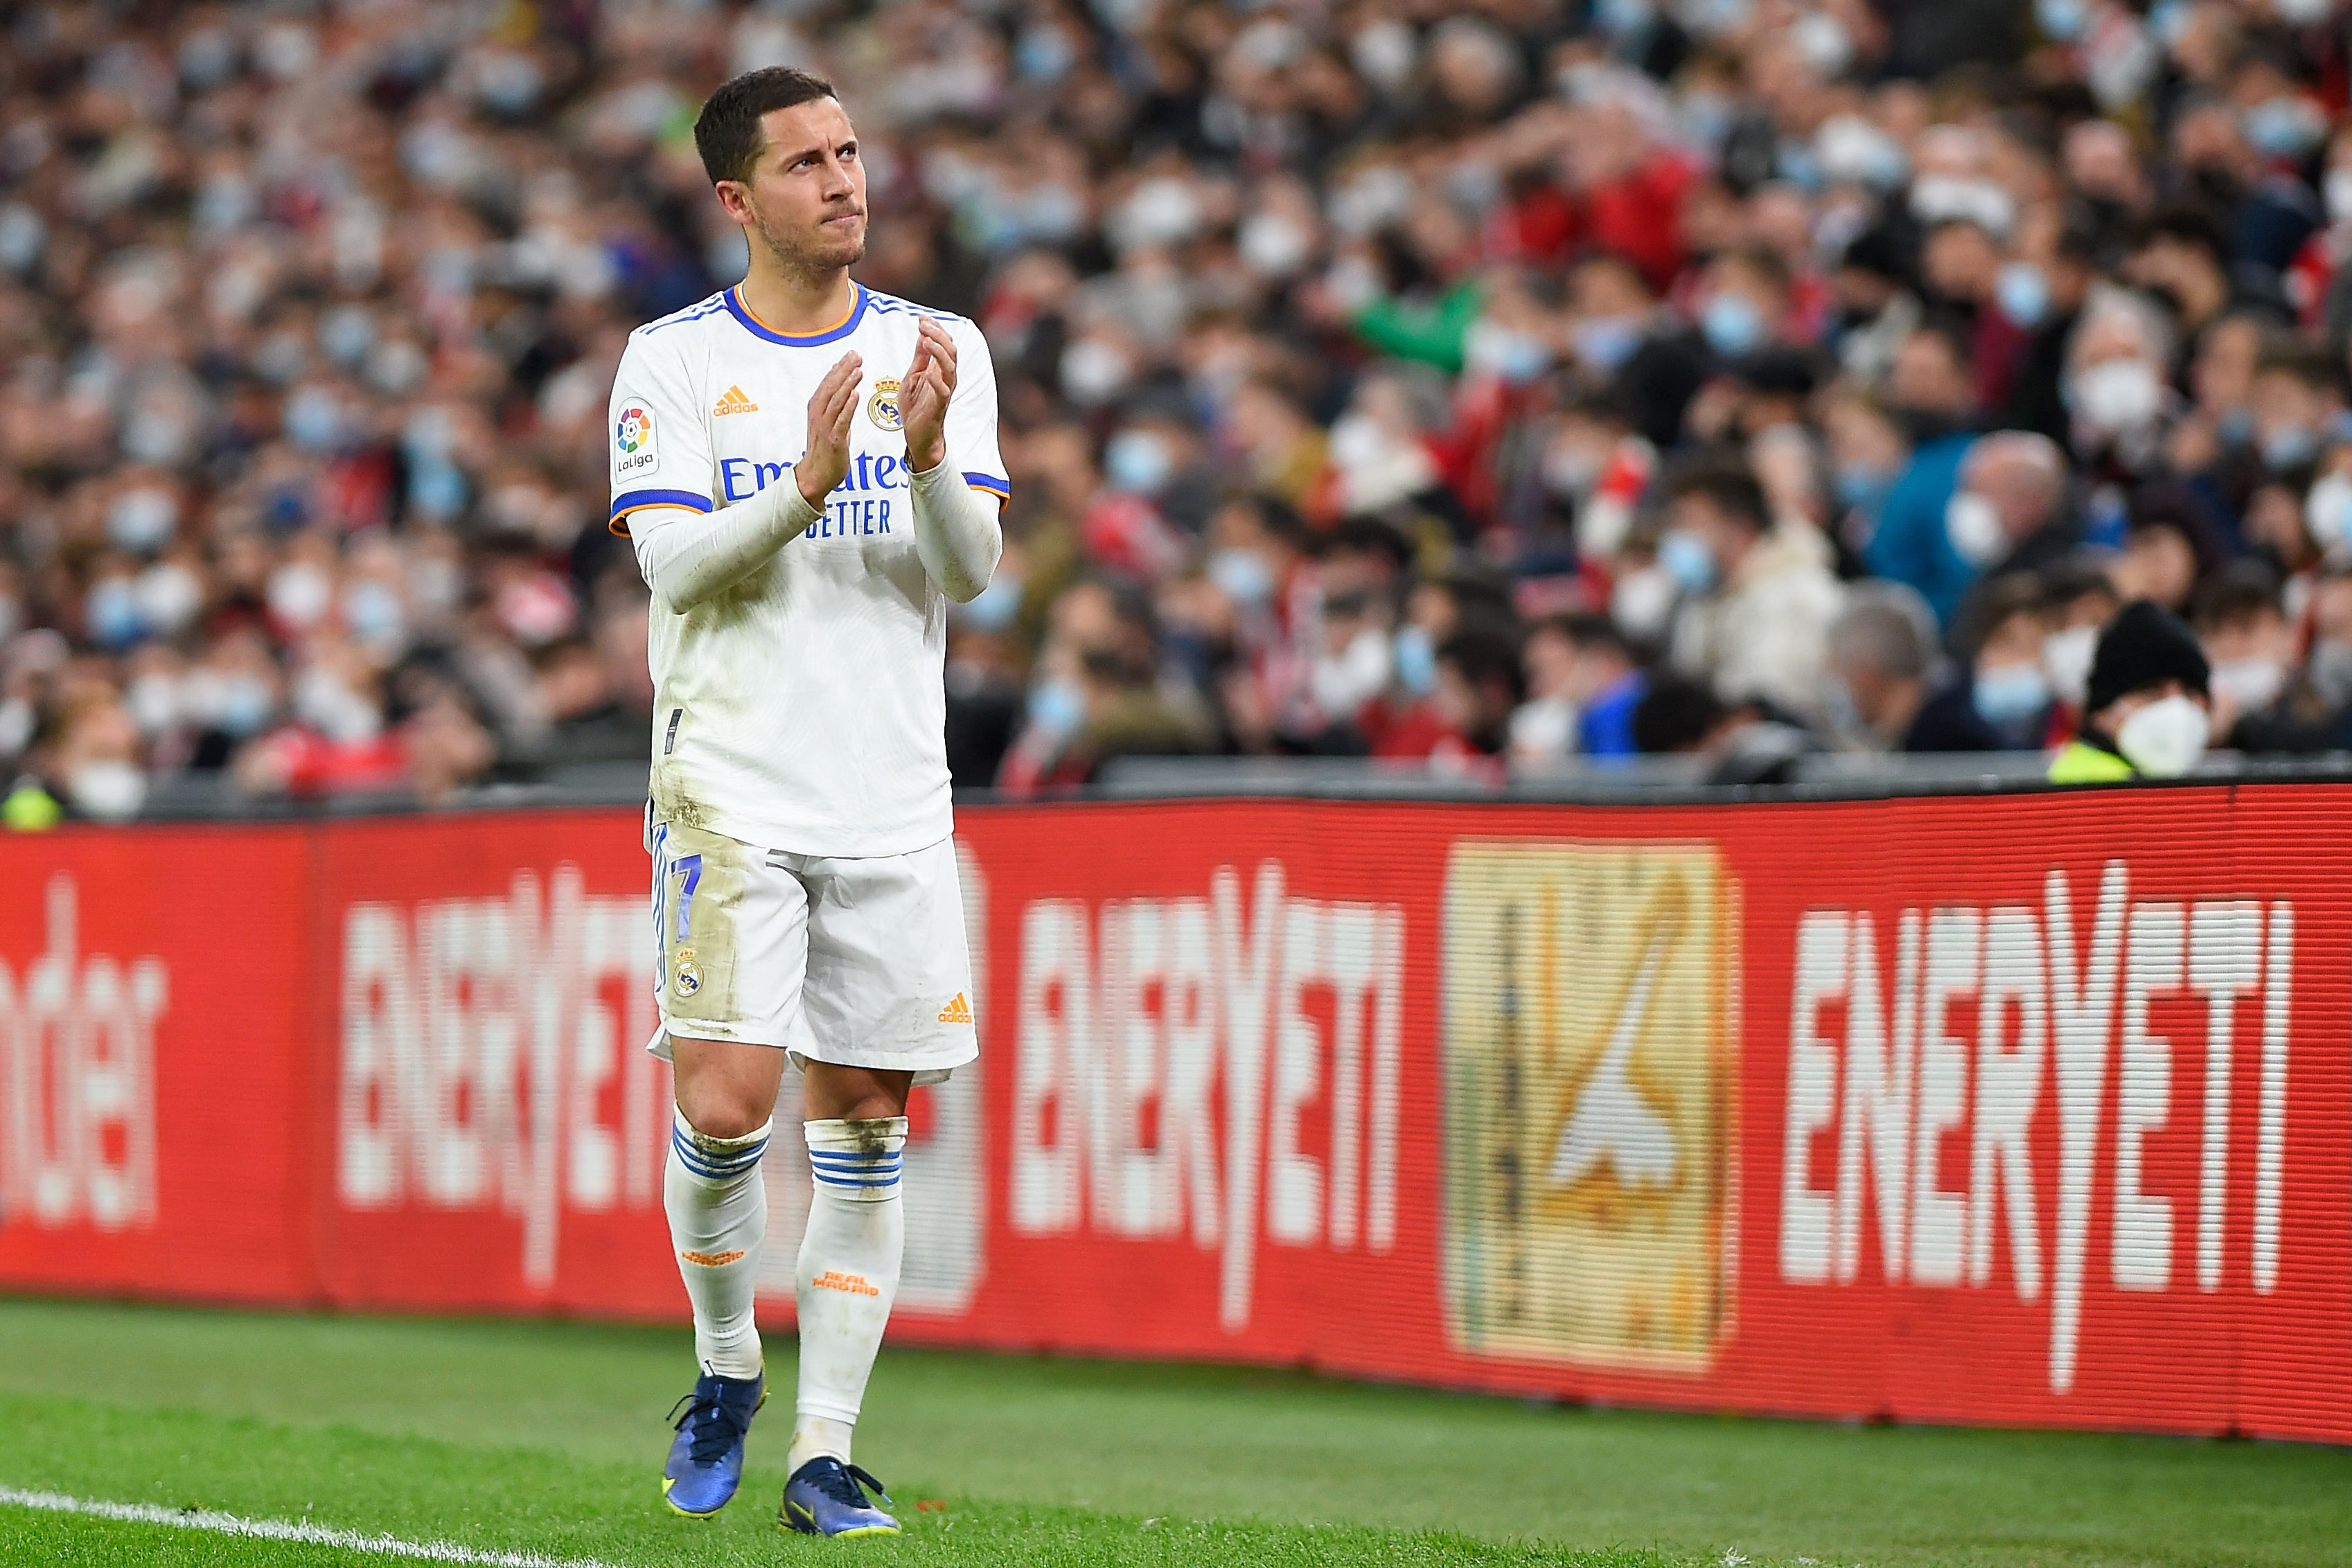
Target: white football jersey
[{"x": 804, "y": 709}]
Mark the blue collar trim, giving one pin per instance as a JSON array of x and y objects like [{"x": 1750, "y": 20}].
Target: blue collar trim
[{"x": 752, "y": 325}]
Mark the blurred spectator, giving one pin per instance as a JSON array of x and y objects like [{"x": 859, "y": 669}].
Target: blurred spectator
[
  {"x": 2258, "y": 705},
  {"x": 1735, "y": 742},
  {"x": 1758, "y": 595},
  {"x": 2148, "y": 711},
  {"x": 1888, "y": 680},
  {"x": 2006, "y": 703},
  {"x": 1327, "y": 342}
]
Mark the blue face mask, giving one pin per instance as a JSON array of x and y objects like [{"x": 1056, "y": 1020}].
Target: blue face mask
[
  {"x": 1056, "y": 706},
  {"x": 994, "y": 607},
  {"x": 372, "y": 612},
  {"x": 1242, "y": 576},
  {"x": 1516, "y": 357},
  {"x": 2289, "y": 445},
  {"x": 1605, "y": 343},
  {"x": 2022, "y": 293},
  {"x": 1732, "y": 325},
  {"x": 141, "y": 521},
  {"x": 1623, "y": 19},
  {"x": 1859, "y": 486},
  {"x": 1043, "y": 55},
  {"x": 2007, "y": 698},
  {"x": 1416, "y": 661},
  {"x": 243, "y": 706},
  {"x": 2061, "y": 21},
  {"x": 436, "y": 490},
  {"x": 2283, "y": 128},
  {"x": 1138, "y": 462},
  {"x": 313, "y": 419},
  {"x": 111, "y": 611},
  {"x": 1801, "y": 165},
  {"x": 1686, "y": 559}
]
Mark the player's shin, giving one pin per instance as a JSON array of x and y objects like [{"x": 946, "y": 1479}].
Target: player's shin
[
  {"x": 718, "y": 1211},
  {"x": 848, "y": 1275}
]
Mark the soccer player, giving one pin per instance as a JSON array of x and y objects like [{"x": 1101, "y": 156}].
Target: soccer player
[{"x": 808, "y": 471}]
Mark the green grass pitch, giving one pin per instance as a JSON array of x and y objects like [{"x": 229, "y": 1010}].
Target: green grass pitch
[{"x": 522, "y": 1437}]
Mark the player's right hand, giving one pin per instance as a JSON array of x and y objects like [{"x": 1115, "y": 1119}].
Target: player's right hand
[{"x": 827, "y": 458}]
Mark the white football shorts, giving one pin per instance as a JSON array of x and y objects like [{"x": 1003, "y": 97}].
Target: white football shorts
[{"x": 860, "y": 962}]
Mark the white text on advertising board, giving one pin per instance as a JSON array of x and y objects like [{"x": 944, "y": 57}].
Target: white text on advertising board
[
  {"x": 2060, "y": 1014},
  {"x": 1138, "y": 1015}
]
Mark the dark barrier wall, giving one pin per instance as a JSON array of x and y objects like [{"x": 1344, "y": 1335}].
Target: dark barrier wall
[{"x": 2027, "y": 1109}]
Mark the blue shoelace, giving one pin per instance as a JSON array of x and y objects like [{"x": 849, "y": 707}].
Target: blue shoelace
[
  {"x": 839, "y": 1482},
  {"x": 718, "y": 1427}
]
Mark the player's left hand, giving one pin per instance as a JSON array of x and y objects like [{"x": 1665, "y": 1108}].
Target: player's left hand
[{"x": 923, "y": 394}]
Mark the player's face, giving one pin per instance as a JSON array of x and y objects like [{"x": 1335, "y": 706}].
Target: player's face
[{"x": 806, "y": 196}]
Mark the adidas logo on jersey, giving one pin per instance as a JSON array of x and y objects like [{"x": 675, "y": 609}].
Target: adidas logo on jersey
[
  {"x": 956, "y": 1011},
  {"x": 734, "y": 402}
]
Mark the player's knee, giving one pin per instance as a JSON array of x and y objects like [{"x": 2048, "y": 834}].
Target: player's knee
[
  {"x": 854, "y": 1094},
  {"x": 722, "y": 1112}
]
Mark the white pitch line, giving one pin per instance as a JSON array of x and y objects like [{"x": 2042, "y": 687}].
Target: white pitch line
[{"x": 220, "y": 1524}]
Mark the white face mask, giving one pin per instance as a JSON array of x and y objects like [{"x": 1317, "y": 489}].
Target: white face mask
[
  {"x": 1973, "y": 524},
  {"x": 1641, "y": 601},
  {"x": 2250, "y": 685},
  {"x": 108, "y": 791},
  {"x": 2066, "y": 660},
  {"x": 2117, "y": 396},
  {"x": 2164, "y": 739},
  {"x": 2337, "y": 189},
  {"x": 2327, "y": 514}
]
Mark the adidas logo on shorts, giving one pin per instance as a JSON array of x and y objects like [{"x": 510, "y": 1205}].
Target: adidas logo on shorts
[
  {"x": 956, "y": 1011},
  {"x": 734, "y": 402}
]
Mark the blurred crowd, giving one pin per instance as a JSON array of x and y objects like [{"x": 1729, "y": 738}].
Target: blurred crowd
[{"x": 1492, "y": 382}]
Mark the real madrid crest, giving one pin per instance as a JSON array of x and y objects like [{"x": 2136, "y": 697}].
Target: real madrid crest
[
  {"x": 882, "y": 408},
  {"x": 689, "y": 978}
]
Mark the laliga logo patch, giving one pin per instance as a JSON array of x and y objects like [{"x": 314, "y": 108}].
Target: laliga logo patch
[
  {"x": 689, "y": 978},
  {"x": 882, "y": 408},
  {"x": 633, "y": 441}
]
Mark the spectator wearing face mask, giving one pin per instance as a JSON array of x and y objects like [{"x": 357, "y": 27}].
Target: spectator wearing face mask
[
  {"x": 2170, "y": 546},
  {"x": 1624, "y": 346},
  {"x": 2118, "y": 387},
  {"x": 2040, "y": 289},
  {"x": 2250, "y": 644},
  {"x": 2078, "y": 599},
  {"x": 2148, "y": 711},
  {"x": 1884, "y": 677},
  {"x": 2006, "y": 692},
  {"x": 1876, "y": 307},
  {"x": 2328, "y": 666},
  {"x": 2009, "y": 515},
  {"x": 1743, "y": 303},
  {"x": 1758, "y": 595},
  {"x": 1931, "y": 394},
  {"x": 2295, "y": 404}
]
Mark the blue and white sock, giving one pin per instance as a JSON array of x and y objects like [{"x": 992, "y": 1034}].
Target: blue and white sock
[
  {"x": 718, "y": 1208},
  {"x": 848, "y": 1275}
]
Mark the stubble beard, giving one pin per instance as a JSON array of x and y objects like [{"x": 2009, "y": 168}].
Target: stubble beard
[{"x": 800, "y": 256}]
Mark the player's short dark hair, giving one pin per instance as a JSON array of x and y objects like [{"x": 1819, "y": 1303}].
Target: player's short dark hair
[{"x": 727, "y": 133}]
